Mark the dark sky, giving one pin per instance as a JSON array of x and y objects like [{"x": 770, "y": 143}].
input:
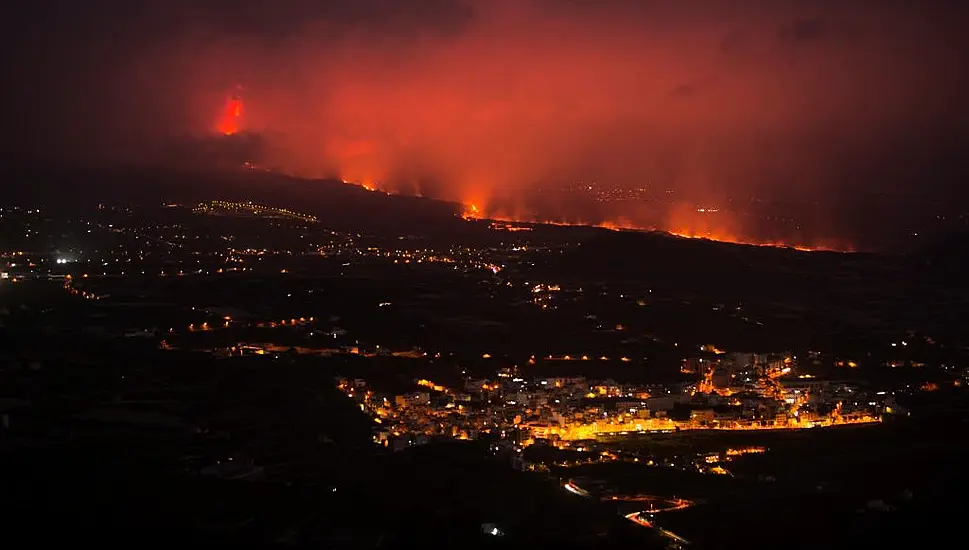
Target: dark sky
[{"x": 476, "y": 100}]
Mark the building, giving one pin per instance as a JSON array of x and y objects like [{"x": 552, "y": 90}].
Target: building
[
  {"x": 665, "y": 402},
  {"x": 413, "y": 399}
]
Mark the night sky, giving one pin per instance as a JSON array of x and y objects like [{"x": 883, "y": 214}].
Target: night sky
[{"x": 815, "y": 101}]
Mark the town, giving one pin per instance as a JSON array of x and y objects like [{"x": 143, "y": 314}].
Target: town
[
  {"x": 568, "y": 412},
  {"x": 235, "y": 341},
  {"x": 479, "y": 274}
]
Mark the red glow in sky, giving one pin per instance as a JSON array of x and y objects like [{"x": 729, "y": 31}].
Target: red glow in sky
[{"x": 491, "y": 102}]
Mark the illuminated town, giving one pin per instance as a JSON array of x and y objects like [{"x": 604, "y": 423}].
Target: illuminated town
[
  {"x": 394, "y": 274},
  {"x": 250, "y": 342},
  {"x": 568, "y": 411}
]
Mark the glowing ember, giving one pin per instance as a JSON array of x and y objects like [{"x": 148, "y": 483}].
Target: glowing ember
[{"x": 471, "y": 212}]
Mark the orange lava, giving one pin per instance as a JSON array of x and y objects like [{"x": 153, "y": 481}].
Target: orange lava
[
  {"x": 726, "y": 238},
  {"x": 680, "y": 222},
  {"x": 230, "y": 121},
  {"x": 471, "y": 212}
]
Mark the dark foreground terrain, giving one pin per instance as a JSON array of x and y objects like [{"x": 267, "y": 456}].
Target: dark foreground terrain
[{"x": 169, "y": 373}]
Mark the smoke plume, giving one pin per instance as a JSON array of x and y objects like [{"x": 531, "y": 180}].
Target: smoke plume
[{"x": 705, "y": 105}]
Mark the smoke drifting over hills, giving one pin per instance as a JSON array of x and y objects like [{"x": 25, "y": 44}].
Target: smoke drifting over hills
[{"x": 488, "y": 101}]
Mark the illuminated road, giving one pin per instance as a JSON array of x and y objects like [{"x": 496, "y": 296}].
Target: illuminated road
[
  {"x": 656, "y": 504},
  {"x": 637, "y": 518},
  {"x": 576, "y": 490}
]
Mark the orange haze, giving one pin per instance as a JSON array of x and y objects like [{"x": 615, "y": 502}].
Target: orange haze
[
  {"x": 780, "y": 115},
  {"x": 687, "y": 227}
]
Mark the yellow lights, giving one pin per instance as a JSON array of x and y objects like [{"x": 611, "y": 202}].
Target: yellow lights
[
  {"x": 219, "y": 207},
  {"x": 431, "y": 385},
  {"x": 745, "y": 451}
]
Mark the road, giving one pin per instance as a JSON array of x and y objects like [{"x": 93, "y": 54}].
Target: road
[
  {"x": 637, "y": 518},
  {"x": 656, "y": 503}
]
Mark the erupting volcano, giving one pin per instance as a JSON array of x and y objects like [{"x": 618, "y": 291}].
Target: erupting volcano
[
  {"x": 795, "y": 126},
  {"x": 562, "y": 206},
  {"x": 230, "y": 120}
]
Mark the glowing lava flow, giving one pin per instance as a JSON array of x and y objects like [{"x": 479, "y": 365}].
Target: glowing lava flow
[
  {"x": 471, "y": 212},
  {"x": 230, "y": 122},
  {"x": 712, "y": 236}
]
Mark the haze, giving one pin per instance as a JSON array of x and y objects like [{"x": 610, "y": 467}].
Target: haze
[{"x": 492, "y": 103}]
